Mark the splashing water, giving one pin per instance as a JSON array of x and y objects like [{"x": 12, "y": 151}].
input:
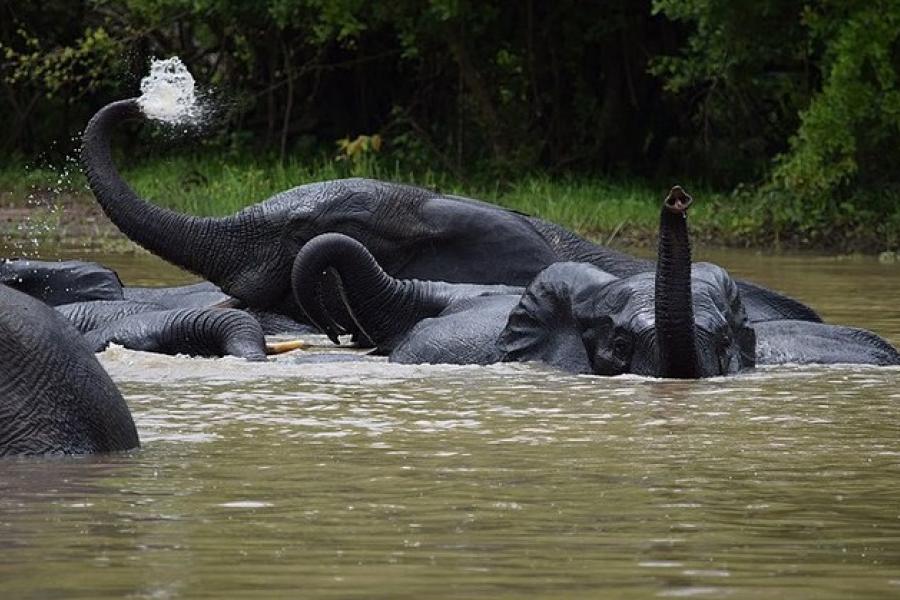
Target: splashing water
[
  {"x": 167, "y": 93},
  {"x": 45, "y": 205}
]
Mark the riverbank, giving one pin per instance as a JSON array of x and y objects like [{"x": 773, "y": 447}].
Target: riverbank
[{"x": 55, "y": 205}]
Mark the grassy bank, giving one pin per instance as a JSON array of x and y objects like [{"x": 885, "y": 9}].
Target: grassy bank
[{"x": 608, "y": 210}]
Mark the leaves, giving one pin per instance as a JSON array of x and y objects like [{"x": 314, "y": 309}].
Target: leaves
[
  {"x": 857, "y": 112},
  {"x": 799, "y": 99},
  {"x": 359, "y": 147},
  {"x": 75, "y": 69}
]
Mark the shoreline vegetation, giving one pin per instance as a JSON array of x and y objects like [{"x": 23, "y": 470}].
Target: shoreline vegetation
[
  {"x": 783, "y": 117},
  {"x": 54, "y": 204}
]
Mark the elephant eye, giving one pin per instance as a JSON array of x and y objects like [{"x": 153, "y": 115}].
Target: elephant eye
[{"x": 622, "y": 346}]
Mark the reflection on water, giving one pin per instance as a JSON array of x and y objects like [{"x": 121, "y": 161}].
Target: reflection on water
[{"x": 363, "y": 479}]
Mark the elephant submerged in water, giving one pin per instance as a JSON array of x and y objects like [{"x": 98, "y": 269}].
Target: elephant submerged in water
[
  {"x": 685, "y": 320},
  {"x": 195, "y": 332},
  {"x": 206, "y": 294},
  {"x": 55, "y": 398},
  {"x": 61, "y": 282},
  {"x": 412, "y": 232},
  {"x": 170, "y": 320},
  {"x": 166, "y": 329}
]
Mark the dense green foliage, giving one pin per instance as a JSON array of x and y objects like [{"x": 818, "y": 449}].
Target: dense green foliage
[{"x": 792, "y": 103}]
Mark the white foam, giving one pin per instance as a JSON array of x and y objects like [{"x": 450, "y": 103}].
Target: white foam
[{"x": 167, "y": 93}]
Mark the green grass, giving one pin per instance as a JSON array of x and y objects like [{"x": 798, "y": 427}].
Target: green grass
[{"x": 606, "y": 209}]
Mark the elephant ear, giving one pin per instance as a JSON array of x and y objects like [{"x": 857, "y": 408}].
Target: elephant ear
[
  {"x": 728, "y": 300},
  {"x": 544, "y": 325}
]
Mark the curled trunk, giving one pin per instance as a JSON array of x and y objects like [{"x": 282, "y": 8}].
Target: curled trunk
[
  {"x": 381, "y": 307},
  {"x": 675, "y": 333}
]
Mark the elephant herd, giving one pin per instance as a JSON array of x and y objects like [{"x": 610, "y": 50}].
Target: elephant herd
[{"x": 418, "y": 276}]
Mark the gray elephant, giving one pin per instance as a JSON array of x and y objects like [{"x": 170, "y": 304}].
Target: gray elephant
[
  {"x": 685, "y": 320},
  {"x": 204, "y": 332},
  {"x": 87, "y": 316},
  {"x": 61, "y": 282},
  {"x": 206, "y": 294},
  {"x": 55, "y": 398},
  {"x": 801, "y": 342},
  {"x": 90, "y": 294},
  {"x": 412, "y": 232},
  {"x": 90, "y": 315},
  {"x": 159, "y": 326},
  {"x": 110, "y": 313}
]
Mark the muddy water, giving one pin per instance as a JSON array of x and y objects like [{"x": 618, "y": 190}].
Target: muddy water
[{"x": 367, "y": 480}]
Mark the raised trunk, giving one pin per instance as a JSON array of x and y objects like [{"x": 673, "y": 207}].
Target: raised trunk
[
  {"x": 675, "y": 336},
  {"x": 382, "y": 307},
  {"x": 194, "y": 243}
]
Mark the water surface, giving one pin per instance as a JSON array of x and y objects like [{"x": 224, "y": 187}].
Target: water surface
[{"x": 368, "y": 480}]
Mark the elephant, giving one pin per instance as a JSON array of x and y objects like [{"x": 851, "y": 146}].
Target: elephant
[
  {"x": 173, "y": 320},
  {"x": 55, "y": 397},
  {"x": 73, "y": 281},
  {"x": 412, "y": 232},
  {"x": 802, "y": 342},
  {"x": 86, "y": 316},
  {"x": 89, "y": 294},
  {"x": 195, "y": 295},
  {"x": 61, "y": 282},
  {"x": 93, "y": 293},
  {"x": 192, "y": 331},
  {"x": 684, "y": 321},
  {"x": 206, "y": 294}
]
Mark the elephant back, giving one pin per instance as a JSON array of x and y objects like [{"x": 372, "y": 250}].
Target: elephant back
[{"x": 55, "y": 397}]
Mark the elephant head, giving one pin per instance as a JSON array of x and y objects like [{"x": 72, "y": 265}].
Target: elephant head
[
  {"x": 684, "y": 321},
  {"x": 55, "y": 398}
]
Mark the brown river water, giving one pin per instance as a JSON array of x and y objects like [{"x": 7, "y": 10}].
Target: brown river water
[{"x": 370, "y": 480}]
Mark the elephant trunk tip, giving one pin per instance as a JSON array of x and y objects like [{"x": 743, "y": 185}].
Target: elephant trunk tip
[{"x": 678, "y": 200}]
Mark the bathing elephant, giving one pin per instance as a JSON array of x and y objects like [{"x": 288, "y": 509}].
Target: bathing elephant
[
  {"x": 93, "y": 314},
  {"x": 86, "y": 316},
  {"x": 802, "y": 342},
  {"x": 93, "y": 294},
  {"x": 61, "y": 282},
  {"x": 412, "y": 232},
  {"x": 193, "y": 295},
  {"x": 206, "y": 294},
  {"x": 685, "y": 320},
  {"x": 55, "y": 398},
  {"x": 192, "y": 331}
]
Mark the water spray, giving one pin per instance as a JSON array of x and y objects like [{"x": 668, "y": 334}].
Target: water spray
[{"x": 168, "y": 95}]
